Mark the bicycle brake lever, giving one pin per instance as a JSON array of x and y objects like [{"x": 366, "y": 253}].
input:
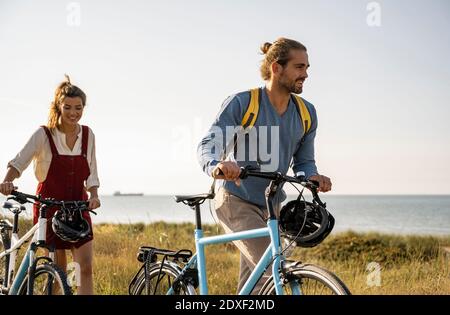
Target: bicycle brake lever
[
  {"x": 246, "y": 169},
  {"x": 315, "y": 183},
  {"x": 19, "y": 199},
  {"x": 243, "y": 173}
]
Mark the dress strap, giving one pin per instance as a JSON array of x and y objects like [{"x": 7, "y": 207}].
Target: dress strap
[
  {"x": 50, "y": 139},
  {"x": 84, "y": 140}
]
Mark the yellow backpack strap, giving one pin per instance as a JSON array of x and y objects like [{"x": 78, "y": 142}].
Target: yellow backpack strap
[
  {"x": 305, "y": 117},
  {"x": 251, "y": 114}
]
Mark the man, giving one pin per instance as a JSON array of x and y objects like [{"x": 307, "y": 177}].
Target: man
[{"x": 278, "y": 125}]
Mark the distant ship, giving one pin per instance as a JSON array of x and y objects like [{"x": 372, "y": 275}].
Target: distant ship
[{"x": 118, "y": 193}]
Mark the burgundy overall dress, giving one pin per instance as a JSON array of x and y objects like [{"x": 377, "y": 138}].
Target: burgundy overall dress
[{"x": 65, "y": 181}]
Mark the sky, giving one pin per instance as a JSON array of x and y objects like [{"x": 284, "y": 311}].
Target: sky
[{"x": 156, "y": 73}]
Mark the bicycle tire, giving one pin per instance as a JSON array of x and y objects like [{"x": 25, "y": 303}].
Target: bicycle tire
[
  {"x": 305, "y": 275},
  {"x": 5, "y": 243},
  {"x": 169, "y": 273},
  {"x": 42, "y": 273}
]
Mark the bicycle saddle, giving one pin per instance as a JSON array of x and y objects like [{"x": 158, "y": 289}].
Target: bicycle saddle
[
  {"x": 13, "y": 208},
  {"x": 194, "y": 199}
]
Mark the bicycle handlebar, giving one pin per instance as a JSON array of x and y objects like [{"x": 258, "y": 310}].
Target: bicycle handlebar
[
  {"x": 23, "y": 198},
  {"x": 252, "y": 171}
]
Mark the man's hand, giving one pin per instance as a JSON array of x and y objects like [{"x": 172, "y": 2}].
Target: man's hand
[
  {"x": 227, "y": 170},
  {"x": 324, "y": 182}
]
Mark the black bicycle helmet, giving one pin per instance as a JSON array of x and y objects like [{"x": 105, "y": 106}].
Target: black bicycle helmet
[
  {"x": 307, "y": 232},
  {"x": 69, "y": 225}
]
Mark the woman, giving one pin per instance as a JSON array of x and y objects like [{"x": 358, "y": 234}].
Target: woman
[{"x": 65, "y": 165}]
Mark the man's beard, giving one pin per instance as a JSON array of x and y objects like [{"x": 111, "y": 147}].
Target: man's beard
[
  {"x": 291, "y": 86},
  {"x": 297, "y": 90}
]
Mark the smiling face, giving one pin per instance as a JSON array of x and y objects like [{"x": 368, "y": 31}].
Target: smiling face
[
  {"x": 293, "y": 74},
  {"x": 71, "y": 111}
]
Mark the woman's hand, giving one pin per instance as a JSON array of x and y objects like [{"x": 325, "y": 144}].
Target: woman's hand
[
  {"x": 93, "y": 200},
  {"x": 7, "y": 187},
  {"x": 94, "y": 203}
]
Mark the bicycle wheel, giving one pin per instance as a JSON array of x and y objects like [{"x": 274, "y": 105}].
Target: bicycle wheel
[
  {"x": 160, "y": 280},
  {"x": 49, "y": 279},
  {"x": 5, "y": 242},
  {"x": 308, "y": 279}
]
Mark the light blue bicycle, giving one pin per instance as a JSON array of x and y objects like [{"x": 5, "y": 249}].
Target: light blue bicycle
[{"x": 303, "y": 223}]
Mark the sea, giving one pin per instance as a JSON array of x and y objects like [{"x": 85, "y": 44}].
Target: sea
[{"x": 393, "y": 214}]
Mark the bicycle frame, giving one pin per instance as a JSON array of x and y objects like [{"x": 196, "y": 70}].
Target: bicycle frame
[
  {"x": 272, "y": 254},
  {"x": 38, "y": 231},
  {"x": 273, "y": 250}
]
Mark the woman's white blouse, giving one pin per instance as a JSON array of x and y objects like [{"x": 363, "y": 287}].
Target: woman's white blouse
[{"x": 38, "y": 150}]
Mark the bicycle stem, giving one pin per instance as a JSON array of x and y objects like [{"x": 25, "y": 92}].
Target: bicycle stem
[{"x": 270, "y": 193}]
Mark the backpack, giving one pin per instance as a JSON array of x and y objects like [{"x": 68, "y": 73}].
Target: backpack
[{"x": 251, "y": 114}]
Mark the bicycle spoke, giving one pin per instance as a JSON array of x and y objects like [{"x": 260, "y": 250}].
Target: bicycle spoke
[
  {"x": 312, "y": 280},
  {"x": 322, "y": 290},
  {"x": 43, "y": 285},
  {"x": 48, "y": 281},
  {"x": 161, "y": 279}
]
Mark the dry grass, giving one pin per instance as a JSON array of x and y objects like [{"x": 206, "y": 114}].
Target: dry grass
[{"x": 409, "y": 264}]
